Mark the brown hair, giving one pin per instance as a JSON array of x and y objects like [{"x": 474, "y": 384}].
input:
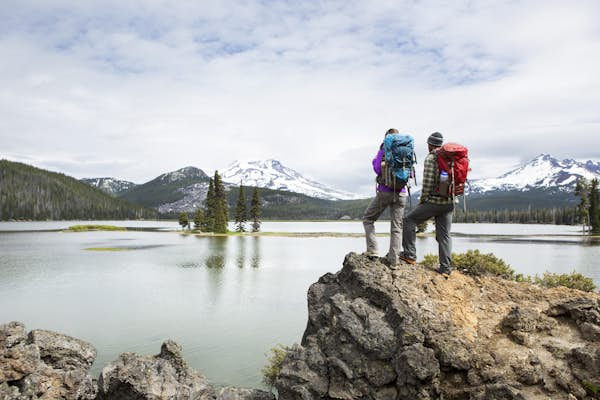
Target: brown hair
[{"x": 391, "y": 130}]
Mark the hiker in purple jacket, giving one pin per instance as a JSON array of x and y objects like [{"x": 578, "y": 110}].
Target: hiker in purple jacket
[{"x": 385, "y": 197}]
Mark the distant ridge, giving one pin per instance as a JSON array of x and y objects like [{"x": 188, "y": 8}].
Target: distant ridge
[
  {"x": 110, "y": 185},
  {"x": 27, "y": 192},
  {"x": 171, "y": 187}
]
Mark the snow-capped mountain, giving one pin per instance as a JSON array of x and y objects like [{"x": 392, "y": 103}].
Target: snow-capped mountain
[
  {"x": 271, "y": 174},
  {"x": 543, "y": 172},
  {"x": 109, "y": 185},
  {"x": 181, "y": 174}
]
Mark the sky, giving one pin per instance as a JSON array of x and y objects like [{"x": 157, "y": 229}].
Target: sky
[{"x": 138, "y": 88}]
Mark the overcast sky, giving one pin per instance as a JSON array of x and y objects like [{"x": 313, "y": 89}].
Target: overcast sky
[{"x": 134, "y": 89}]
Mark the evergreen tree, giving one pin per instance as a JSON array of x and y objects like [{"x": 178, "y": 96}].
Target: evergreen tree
[
  {"x": 199, "y": 220},
  {"x": 240, "y": 211},
  {"x": 594, "y": 210},
  {"x": 583, "y": 209},
  {"x": 221, "y": 208},
  {"x": 209, "y": 214},
  {"x": 184, "y": 220},
  {"x": 255, "y": 211}
]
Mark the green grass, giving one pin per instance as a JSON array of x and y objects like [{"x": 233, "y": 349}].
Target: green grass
[
  {"x": 272, "y": 370},
  {"x": 473, "y": 262},
  {"x": 107, "y": 249},
  {"x": 88, "y": 228},
  {"x": 574, "y": 280},
  {"x": 591, "y": 388}
]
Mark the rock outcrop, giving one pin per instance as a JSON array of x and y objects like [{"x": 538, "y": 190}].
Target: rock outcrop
[
  {"x": 49, "y": 365},
  {"x": 44, "y": 365},
  {"x": 408, "y": 333}
]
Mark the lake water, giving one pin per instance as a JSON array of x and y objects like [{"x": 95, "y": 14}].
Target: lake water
[{"x": 226, "y": 300}]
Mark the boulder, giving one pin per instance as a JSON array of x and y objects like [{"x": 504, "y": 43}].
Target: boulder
[
  {"x": 163, "y": 376},
  {"x": 44, "y": 364},
  {"x": 408, "y": 333}
]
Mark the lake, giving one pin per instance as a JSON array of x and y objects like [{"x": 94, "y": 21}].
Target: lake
[{"x": 226, "y": 300}]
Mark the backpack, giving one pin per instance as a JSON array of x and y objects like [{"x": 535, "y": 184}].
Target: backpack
[
  {"x": 453, "y": 159},
  {"x": 399, "y": 159}
]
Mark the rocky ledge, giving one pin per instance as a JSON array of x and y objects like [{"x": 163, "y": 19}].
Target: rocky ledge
[
  {"x": 49, "y": 365},
  {"x": 408, "y": 333},
  {"x": 372, "y": 333}
]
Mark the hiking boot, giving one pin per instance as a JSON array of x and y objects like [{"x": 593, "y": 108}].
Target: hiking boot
[
  {"x": 445, "y": 274},
  {"x": 371, "y": 255},
  {"x": 407, "y": 260}
]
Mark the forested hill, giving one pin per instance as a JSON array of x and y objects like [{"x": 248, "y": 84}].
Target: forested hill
[{"x": 27, "y": 192}]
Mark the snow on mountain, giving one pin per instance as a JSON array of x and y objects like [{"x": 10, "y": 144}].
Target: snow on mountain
[
  {"x": 183, "y": 173},
  {"x": 543, "y": 172},
  {"x": 109, "y": 185},
  {"x": 271, "y": 174}
]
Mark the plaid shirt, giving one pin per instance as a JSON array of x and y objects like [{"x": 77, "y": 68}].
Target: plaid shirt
[{"x": 431, "y": 180}]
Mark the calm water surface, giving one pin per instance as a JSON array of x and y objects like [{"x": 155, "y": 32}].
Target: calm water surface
[{"x": 226, "y": 300}]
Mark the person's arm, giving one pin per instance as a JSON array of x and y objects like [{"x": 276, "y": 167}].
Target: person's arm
[
  {"x": 430, "y": 171},
  {"x": 377, "y": 161}
]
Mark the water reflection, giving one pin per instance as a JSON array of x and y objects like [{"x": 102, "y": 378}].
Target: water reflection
[
  {"x": 217, "y": 248},
  {"x": 241, "y": 257},
  {"x": 255, "y": 260}
]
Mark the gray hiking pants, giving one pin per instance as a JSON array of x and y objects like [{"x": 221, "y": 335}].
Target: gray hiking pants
[
  {"x": 443, "y": 222},
  {"x": 396, "y": 202}
]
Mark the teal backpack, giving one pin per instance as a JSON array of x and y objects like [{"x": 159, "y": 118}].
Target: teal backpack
[{"x": 399, "y": 160}]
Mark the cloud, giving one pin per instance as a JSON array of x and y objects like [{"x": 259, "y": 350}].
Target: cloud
[{"x": 154, "y": 87}]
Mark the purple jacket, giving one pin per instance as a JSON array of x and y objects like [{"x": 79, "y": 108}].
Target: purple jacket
[{"x": 377, "y": 168}]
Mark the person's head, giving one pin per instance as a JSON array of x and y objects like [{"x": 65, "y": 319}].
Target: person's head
[
  {"x": 390, "y": 131},
  {"x": 435, "y": 140}
]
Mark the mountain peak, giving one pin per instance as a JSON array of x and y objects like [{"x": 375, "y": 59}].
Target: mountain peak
[
  {"x": 272, "y": 174},
  {"x": 543, "y": 172},
  {"x": 183, "y": 173},
  {"x": 109, "y": 185}
]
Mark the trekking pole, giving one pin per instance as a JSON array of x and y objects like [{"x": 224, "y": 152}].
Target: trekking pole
[{"x": 452, "y": 187}]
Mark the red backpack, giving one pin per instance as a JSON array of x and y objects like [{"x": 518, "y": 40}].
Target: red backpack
[{"x": 453, "y": 158}]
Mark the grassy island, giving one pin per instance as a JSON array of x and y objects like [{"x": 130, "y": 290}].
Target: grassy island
[{"x": 88, "y": 228}]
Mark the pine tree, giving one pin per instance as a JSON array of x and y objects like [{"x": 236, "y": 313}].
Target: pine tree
[
  {"x": 221, "y": 208},
  {"x": 255, "y": 211},
  {"x": 583, "y": 209},
  {"x": 240, "y": 211},
  {"x": 184, "y": 220},
  {"x": 594, "y": 209},
  {"x": 199, "y": 220},
  {"x": 209, "y": 214}
]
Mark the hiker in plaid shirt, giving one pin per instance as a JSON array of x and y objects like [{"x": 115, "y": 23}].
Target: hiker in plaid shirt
[{"x": 431, "y": 205}]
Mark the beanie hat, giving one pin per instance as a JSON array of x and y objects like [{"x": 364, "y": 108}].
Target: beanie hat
[{"x": 435, "y": 139}]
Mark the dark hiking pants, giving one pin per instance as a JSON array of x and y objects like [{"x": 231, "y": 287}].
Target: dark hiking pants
[{"x": 443, "y": 222}]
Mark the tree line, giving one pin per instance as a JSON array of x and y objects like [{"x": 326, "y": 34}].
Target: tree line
[
  {"x": 555, "y": 215},
  {"x": 32, "y": 193},
  {"x": 213, "y": 217}
]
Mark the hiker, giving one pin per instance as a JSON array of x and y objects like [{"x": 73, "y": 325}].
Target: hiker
[
  {"x": 431, "y": 204},
  {"x": 392, "y": 196}
]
